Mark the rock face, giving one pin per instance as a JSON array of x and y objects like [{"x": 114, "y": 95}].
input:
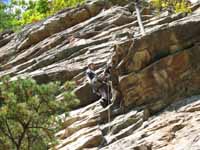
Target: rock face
[
  {"x": 153, "y": 70},
  {"x": 174, "y": 128},
  {"x": 154, "y": 77}
]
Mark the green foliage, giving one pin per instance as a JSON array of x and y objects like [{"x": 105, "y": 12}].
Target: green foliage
[
  {"x": 42, "y": 6},
  {"x": 41, "y": 9},
  {"x": 7, "y": 19},
  {"x": 21, "y": 12},
  {"x": 31, "y": 16},
  {"x": 175, "y": 6},
  {"x": 57, "y": 5},
  {"x": 28, "y": 113},
  {"x": 69, "y": 85}
]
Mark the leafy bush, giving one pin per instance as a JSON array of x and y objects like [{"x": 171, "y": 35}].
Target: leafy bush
[
  {"x": 28, "y": 113},
  {"x": 175, "y": 6},
  {"x": 41, "y": 9},
  {"x": 21, "y": 12},
  {"x": 57, "y": 5},
  {"x": 7, "y": 19}
]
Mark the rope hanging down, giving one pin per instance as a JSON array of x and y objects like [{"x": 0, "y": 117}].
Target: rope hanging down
[
  {"x": 139, "y": 18},
  {"x": 109, "y": 115}
]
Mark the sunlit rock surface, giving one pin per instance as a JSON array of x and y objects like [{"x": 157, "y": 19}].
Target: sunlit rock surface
[{"x": 154, "y": 77}]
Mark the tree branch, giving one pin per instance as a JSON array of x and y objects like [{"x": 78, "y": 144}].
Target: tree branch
[
  {"x": 10, "y": 133},
  {"x": 25, "y": 128}
]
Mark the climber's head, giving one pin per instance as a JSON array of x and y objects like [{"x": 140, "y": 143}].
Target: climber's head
[{"x": 91, "y": 65}]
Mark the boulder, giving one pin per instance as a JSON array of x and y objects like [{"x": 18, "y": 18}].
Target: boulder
[
  {"x": 86, "y": 138},
  {"x": 85, "y": 94}
]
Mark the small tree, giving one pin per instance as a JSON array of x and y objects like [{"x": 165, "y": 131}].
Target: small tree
[{"x": 28, "y": 113}]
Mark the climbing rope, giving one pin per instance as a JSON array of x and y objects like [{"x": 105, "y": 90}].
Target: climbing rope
[
  {"x": 109, "y": 102},
  {"x": 139, "y": 18},
  {"x": 109, "y": 116}
]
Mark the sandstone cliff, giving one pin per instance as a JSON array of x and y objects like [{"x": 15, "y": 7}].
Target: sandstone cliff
[{"x": 155, "y": 78}]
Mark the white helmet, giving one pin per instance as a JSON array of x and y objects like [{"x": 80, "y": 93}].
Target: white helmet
[{"x": 90, "y": 63}]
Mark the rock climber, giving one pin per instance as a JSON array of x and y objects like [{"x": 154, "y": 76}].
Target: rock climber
[{"x": 99, "y": 84}]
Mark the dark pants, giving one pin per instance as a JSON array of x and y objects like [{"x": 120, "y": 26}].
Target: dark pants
[{"x": 104, "y": 92}]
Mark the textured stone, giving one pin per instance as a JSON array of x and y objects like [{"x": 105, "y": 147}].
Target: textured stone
[
  {"x": 148, "y": 72},
  {"x": 60, "y": 22},
  {"x": 162, "y": 79},
  {"x": 88, "y": 140},
  {"x": 85, "y": 94},
  {"x": 168, "y": 130}
]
